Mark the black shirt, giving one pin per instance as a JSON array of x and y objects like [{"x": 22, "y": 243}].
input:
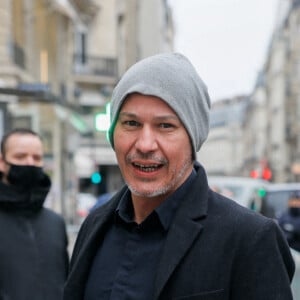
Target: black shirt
[{"x": 125, "y": 264}]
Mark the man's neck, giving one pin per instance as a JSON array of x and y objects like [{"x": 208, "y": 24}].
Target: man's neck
[{"x": 144, "y": 206}]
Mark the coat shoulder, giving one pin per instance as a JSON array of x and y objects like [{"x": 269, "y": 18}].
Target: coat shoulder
[{"x": 230, "y": 212}]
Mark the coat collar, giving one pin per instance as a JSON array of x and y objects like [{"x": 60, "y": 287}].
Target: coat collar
[
  {"x": 183, "y": 231},
  {"x": 186, "y": 227}
]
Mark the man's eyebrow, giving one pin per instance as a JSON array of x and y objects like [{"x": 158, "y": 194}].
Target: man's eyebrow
[
  {"x": 161, "y": 117},
  {"x": 127, "y": 114}
]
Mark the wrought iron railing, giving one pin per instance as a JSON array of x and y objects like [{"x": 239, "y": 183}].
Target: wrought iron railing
[{"x": 92, "y": 65}]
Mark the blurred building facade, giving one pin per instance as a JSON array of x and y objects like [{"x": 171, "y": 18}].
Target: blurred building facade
[
  {"x": 35, "y": 43},
  {"x": 223, "y": 152},
  {"x": 60, "y": 60},
  {"x": 283, "y": 93},
  {"x": 269, "y": 136}
]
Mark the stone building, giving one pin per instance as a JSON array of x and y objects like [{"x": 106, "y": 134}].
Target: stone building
[
  {"x": 223, "y": 152},
  {"x": 282, "y": 71},
  {"x": 60, "y": 60},
  {"x": 36, "y": 47},
  {"x": 268, "y": 134}
]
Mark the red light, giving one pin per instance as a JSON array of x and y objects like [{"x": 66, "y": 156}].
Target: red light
[
  {"x": 267, "y": 173},
  {"x": 254, "y": 174}
]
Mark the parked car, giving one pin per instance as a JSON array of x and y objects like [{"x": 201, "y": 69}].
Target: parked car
[
  {"x": 244, "y": 190},
  {"x": 275, "y": 201},
  {"x": 85, "y": 201},
  {"x": 102, "y": 199}
]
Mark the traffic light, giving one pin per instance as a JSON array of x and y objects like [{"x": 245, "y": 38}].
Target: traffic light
[
  {"x": 261, "y": 192},
  {"x": 254, "y": 174},
  {"x": 102, "y": 120},
  {"x": 96, "y": 178},
  {"x": 266, "y": 173}
]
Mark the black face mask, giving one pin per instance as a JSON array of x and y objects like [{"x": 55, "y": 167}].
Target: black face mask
[
  {"x": 294, "y": 211},
  {"x": 25, "y": 176}
]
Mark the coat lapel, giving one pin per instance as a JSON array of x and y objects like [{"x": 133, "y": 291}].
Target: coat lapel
[
  {"x": 185, "y": 228},
  {"x": 177, "y": 244}
]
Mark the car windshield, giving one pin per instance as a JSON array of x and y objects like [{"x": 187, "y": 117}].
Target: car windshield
[
  {"x": 234, "y": 192},
  {"x": 276, "y": 202},
  {"x": 242, "y": 190}
]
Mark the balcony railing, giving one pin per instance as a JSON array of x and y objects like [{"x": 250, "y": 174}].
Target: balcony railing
[{"x": 97, "y": 66}]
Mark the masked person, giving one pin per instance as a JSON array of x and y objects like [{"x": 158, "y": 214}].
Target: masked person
[
  {"x": 33, "y": 240},
  {"x": 289, "y": 221},
  {"x": 166, "y": 234}
]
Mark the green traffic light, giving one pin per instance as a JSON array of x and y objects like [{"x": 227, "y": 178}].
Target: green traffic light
[
  {"x": 102, "y": 120},
  {"x": 261, "y": 192},
  {"x": 96, "y": 178}
]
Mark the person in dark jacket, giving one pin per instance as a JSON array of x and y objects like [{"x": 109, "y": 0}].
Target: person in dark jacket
[
  {"x": 33, "y": 241},
  {"x": 289, "y": 221},
  {"x": 166, "y": 234}
]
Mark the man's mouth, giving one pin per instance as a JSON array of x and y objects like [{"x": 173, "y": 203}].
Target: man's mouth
[{"x": 147, "y": 168}]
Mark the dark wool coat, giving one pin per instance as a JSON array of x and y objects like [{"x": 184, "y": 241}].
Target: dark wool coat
[
  {"x": 215, "y": 249},
  {"x": 33, "y": 247}
]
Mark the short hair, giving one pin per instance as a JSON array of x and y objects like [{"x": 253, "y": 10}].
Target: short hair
[{"x": 18, "y": 131}]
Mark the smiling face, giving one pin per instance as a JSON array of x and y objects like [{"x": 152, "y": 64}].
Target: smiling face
[{"x": 152, "y": 147}]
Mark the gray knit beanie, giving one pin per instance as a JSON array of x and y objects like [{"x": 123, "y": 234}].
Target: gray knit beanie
[{"x": 171, "y": 77}]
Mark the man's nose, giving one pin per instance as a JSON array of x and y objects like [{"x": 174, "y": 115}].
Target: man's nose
[
  {"x": 30, "y": 161},
  {"x": 147, "y": 140}
]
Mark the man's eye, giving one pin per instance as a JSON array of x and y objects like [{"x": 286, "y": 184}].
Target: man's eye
[
  {"x": 166, "y": 125},
  {"x": 131, "y": 123}
]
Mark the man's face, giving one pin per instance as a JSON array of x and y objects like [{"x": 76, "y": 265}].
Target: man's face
[
  {"x": 294, "y": 202},
  {"x": 152, "y": 147},
  {"x": 22, "y": 149}
]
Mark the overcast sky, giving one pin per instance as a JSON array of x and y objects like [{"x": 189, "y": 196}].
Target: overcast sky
[{"x": 226, "y": 40}]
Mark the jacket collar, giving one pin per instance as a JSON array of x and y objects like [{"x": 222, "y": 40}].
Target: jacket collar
[{"x": 185, "y": 228}]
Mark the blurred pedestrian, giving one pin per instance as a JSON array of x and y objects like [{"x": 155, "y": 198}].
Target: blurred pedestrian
[
  {"x": 289, "y": 221},
  {"x": 166, "y": 234},
  {"x": 33, "y": 241}
]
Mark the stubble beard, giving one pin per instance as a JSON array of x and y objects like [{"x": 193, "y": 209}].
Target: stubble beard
[{"x": 166, "y": 188}]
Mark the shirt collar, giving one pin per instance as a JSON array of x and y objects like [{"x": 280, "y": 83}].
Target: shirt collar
[
  {"x": 164, "y": 212},
  {"x": 125, "y": 207},
  {"x": 167, "y": 209}
]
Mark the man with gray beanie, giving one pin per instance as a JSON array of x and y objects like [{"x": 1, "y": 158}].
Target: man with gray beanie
[{"x": 166, "y": 234}]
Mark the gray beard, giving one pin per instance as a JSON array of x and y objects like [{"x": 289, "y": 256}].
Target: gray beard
[{"x": 163, "y": 190}]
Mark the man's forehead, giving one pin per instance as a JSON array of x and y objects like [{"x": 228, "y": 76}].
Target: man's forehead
[
  {"x": 22, "y": 136},
  {"x": 21, "y": 140}
]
